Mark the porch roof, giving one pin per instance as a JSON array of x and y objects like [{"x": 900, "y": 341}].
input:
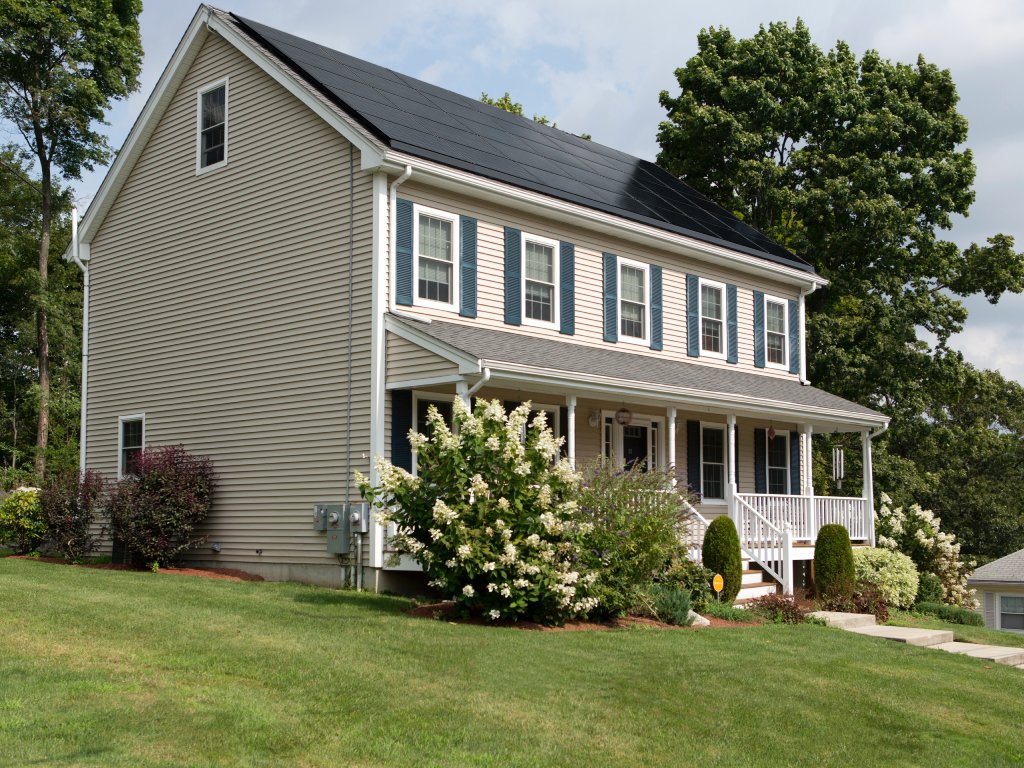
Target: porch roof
[{"x": 530, "y": 357}]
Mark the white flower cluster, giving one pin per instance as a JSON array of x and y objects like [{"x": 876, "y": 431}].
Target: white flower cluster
[{"x": 444, "y": 514}]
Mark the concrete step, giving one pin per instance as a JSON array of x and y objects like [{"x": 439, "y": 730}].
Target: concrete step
[
  {"x": 998, "y": 654},
  {"x": 845, "y": 620},
  {"x": 761, "y": 588},
  {"x": 753, "y": 576},
  {"x": 908, "y": 635}
]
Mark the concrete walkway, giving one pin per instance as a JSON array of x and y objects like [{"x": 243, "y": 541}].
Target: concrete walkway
[{"x": 864, "y": 624}]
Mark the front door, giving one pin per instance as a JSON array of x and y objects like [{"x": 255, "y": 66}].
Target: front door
[{"x": 635, "y": 446}]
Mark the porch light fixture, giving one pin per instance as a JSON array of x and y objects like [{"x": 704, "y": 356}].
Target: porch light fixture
[
  {"x": 771, "y": 432},
  {"x": 594, "y": 419},
  {"x": 624, "y": 416}
]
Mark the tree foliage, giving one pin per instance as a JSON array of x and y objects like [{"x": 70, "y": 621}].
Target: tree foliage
[{"x": 859, "y": 166}]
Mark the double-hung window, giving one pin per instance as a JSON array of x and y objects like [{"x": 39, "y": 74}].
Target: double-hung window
[
  {"x": 776, "y": 331},
  {"x": 778, "y": 463},
  {"x": 712, "y": 462},
  {"x": 712, "y": 319},
  {"x": 634, "y": 301},
  {"x": 1011, "y": 612},
  {"x": 540, "y": 280},
  {"x": 436, "y": 239},
  {"x": 212, "y": 141},
  {"x": 130, "y": 439}
]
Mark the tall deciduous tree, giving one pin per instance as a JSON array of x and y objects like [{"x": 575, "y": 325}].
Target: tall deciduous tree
[
  {"x": 61, "y": 64},
  {"x": 858, "y": 165}
]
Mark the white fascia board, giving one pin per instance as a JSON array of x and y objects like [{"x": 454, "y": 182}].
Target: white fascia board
[
  {"x": 661, "y": 394},
  {"x": 467, "y": 363},
  {"x": 371, "y": 151},
  {"x": 456, "y": 180}
]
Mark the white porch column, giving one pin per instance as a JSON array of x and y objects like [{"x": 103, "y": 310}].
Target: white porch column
[
  {"x": 570, "y": 431},
  {"x": 462, "y": 391},
  {"x": 805, "y": 450},
  {"x": 869, "y": 485},
  {"x": 730, "y": 466},
  {"x": 670, "y": 414}
]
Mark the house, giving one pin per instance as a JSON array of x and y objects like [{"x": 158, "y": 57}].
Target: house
[
  {"x": 296, "y": 252},
  {"x": 1000, "y": 588}
]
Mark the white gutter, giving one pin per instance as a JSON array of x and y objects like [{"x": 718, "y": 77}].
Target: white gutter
[
  {"x": 76, "y": 256},
  {"x": 483, "y": 380},
  {"x": 803, "y": 332}
]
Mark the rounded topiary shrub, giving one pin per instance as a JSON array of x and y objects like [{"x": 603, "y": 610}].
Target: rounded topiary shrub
[
  {"x": 893, "y": 574},
  {"x": 834, "y": 575},
  {"x": 721, "y": 554}
]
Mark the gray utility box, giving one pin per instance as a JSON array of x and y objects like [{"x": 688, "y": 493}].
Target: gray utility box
[
  {"x": 335, "y": 520},
  {"x": 359, "y": 515}
]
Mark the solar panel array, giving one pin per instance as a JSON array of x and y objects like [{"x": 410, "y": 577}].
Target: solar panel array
[{"x": 426, "y": 121}]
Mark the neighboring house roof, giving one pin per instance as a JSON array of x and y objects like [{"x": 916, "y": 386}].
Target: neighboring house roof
[
  {"x": 432, "y": 123},
  {"x": 589, "y": 364},
  {"x": 1009, "y": 569}
]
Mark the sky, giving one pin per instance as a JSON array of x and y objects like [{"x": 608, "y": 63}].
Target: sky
[{"x": 596, "y": 66}]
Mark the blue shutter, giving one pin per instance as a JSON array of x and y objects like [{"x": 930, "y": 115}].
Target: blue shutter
[
  {"x": 567, "y": 288},
  {"x": 611, "y": 297},
  {"x": 794, "y": 463},
  {"x": 401, "y": 423},
  {"x": 513, "y": 277},
  {"x": 656, "y": 308},
  {"x": 692, "y": 316},
  {"x": 467, "y": 266},
  {"x": 403, "y": 251},
  {"x": 760, "y": 461},
  {"x": 693, "y": 475},
  {"x": 794, "y": 337},
  {"x": 730, "y": 322},
  {"x": 759, "y": 332}
]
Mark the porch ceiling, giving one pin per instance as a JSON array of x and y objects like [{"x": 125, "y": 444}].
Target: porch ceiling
[{"x": 558, "y": 366}]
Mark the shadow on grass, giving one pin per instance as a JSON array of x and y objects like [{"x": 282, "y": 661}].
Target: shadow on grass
[{"x": 354, "y": 601}]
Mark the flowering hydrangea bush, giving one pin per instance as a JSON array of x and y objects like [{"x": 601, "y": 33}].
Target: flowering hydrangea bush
[
  {"x": 915, "y": 532},
  {"x": 491, "y": 514}
]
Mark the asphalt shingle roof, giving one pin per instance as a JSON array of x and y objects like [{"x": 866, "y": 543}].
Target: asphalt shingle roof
[
  {"x": 432, "y": 123},
  {"x": 580, "y": 360},
  {"x": 1005, "y": 569}
]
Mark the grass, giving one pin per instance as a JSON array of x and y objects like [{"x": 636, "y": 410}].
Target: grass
[
  {"x": 135, "y": 669},
  {"x": 960, "y": 632}
]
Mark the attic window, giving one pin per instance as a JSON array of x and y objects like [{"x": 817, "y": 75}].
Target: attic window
[{"x": 212, "y": 141}]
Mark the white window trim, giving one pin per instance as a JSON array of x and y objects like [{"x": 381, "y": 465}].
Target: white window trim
[
  {"x": 767, "y": 467},
  {"x": 724, "y": 354},
  {"x": 200, "y": 168},
  {"x": 999, "y": 611},
  {"x": 556, "y": 269},
  {"x": 418, "y": 209},
  {"x": 433, "y": 397},
  {"x": 784, "y": 365},
  {"x": 639, "y": 420},
  {"x": 120, "y": 438},
  {"x": 645, "y": 341},
  {"x": 724, "y": 429}
]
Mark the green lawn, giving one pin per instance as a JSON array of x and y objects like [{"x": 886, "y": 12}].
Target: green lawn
[
  {"x": 961, "y": 632},
  {"x": 136, "y": 669}
]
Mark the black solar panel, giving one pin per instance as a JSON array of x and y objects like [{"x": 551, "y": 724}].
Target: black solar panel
[{"x": 430, "y": 122}]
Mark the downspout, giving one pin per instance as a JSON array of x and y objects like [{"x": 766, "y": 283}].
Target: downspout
[
  {"x": 84, "y": 266},
  {"x": 803, "y": 332},
  {"x": 869, "y": 478},
  {"x": 483, "y": 380}
]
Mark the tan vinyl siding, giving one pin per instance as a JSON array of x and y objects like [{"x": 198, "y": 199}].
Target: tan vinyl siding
[
  {"x": 220, "y": 309},
  {"x": 589, "y": 280},
  {"x": 410, "y": 362}
]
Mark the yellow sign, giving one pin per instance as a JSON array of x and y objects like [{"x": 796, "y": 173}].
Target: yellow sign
[{"x": 718, "y": 582}]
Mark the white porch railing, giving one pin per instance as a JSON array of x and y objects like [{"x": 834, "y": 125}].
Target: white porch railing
[
  {"x": 769, "y": 545},
  {"x": 692, "y": 534},
  {"x": 804, "y": 515}
]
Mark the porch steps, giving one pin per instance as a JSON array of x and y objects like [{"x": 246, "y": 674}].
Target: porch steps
[{"x": 755, "y": 583}]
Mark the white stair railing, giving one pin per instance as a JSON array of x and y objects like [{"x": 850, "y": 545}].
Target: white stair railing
[
  {"x": 766, "y": 544},
  {"x": 693, "y": 532}
]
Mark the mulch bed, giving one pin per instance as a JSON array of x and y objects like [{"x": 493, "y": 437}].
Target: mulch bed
[
  {"x": 224, "y": 574},
  {"x": 445, "y": 611}
]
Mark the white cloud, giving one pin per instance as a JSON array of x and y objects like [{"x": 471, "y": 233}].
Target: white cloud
[{"x": 997, "y": 345}]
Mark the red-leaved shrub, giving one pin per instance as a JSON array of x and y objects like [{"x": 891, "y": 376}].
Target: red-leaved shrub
[
  {"x": 154, "y": 512},
  {"x": 68, "y": 501}
]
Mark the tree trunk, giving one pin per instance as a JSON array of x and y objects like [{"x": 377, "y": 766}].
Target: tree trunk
[{"x": 43, "y": 430}]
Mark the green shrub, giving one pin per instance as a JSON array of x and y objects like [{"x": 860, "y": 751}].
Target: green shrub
[
  {"x": 632, "y": 517},
  {"x": 834, "y": 577},
  {"x": 864, "y": 599},
  {"x": 929, "y": 588},
  {"x": 21, "y": 520},
  {"x": 721, "y": 554},
  {"x": 779, "y": 609},
  {"x": 892, "y": 573},
  {"x": 156, "y": 510},
  {"x": 68, "y": 501},
  {"x": 954, "y": 614},
  {"x": 728, "y": 612},
  {"x": 14, "y": 477},
  {"x": 693, "y": 577},
  {"x": 491, "y": 517},
  {"x": 671, "y": 604}
]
